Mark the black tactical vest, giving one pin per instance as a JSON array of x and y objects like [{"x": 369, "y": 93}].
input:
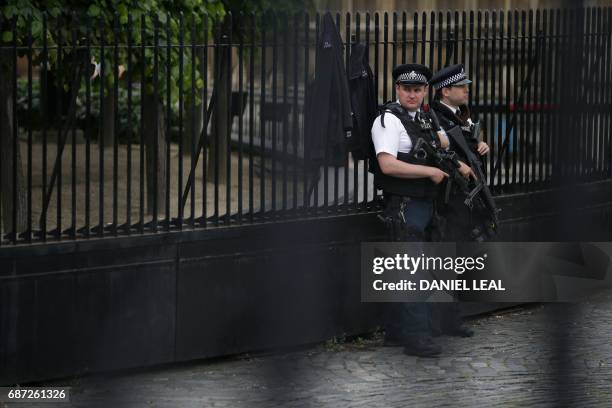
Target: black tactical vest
[
  {"x": 454, "y": 126},
  {"x": 417, "y": 188}
]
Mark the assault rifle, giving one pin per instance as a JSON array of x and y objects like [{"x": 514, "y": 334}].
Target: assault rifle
[
  {"x": 477, "y": 194},
  {"x": 447, "y": 162},
  {"x": 486, "y": 193}
]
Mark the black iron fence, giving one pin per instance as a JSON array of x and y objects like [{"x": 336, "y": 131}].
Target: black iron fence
[{"x": 145, "y": 125}]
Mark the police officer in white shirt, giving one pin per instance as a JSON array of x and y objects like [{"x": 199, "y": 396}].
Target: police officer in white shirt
[{"x": 410, "y": 182}]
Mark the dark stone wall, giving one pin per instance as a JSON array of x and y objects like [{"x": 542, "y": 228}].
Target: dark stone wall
[{"x": 112, "y": 303}]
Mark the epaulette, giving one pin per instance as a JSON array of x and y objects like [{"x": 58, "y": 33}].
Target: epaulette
[{"x": 390, "y": 106}]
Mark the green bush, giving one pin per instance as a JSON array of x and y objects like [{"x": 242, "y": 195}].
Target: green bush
[{"x": 33, "y": 118}]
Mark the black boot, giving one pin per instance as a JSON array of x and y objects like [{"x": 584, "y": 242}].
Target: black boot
[
  {"x": 393, "y": 339},
  {"x": 460, "y": 331},
  {"x": 422, "y": 347}
]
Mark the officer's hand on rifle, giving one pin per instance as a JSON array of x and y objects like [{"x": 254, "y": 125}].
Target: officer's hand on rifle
[
  {"x": 437, "y": 175},
  {"x": 443, "y": 139},
  {"x": 466, "y": 171},
  {"x": 482, "y": 148}
]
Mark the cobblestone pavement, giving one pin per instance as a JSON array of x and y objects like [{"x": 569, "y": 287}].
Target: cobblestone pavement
[{"x": 553, "y": 355}]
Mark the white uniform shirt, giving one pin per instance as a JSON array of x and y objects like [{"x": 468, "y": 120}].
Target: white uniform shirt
[
  {"x": 392, "y": 138},
  {"x": 454, "y": 109}
]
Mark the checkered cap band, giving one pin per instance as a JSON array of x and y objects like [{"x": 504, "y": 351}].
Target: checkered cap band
[
  {"x": 412, "y": 76},
  {"x": 450, "y": 80}
]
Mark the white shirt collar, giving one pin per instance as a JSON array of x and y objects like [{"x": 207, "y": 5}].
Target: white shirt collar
[
  {"x": 457, "y": 112},
  {"x": 409, "y": 112},
  {"x": 455, "y": 109}
]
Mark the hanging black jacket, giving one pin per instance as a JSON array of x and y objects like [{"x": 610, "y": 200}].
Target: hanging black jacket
[
  {"x": 328, "y": 106},
  {"x": 363, "y": 102}
]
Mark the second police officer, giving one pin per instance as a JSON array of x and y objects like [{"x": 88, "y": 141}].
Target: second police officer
[
  {"x": 451, "y": 108},
  {"x": 450, "y": 105},
  {"x": 410, "y": 183}
]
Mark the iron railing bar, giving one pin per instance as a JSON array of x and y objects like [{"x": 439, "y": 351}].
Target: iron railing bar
[
  {"x": 62, "y": 136},
  {"x": 509, "y": 126}
]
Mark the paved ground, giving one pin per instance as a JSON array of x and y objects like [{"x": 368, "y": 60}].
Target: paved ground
[{"x": 548, "y": 356}]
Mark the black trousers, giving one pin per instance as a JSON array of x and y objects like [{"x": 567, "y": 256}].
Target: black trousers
[
  {"x": 408, "y": 220},
  {"x": 458, "y": 219},
  {"x": 458, "y": 225},
  {"x": 444, "y": 317}
]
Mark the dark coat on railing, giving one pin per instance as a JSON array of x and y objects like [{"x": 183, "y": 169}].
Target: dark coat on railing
[
  {"x": 363, "y": 102},
  {"x": 328, "y": 108}
]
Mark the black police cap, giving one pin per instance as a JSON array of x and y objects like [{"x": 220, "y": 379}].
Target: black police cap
[
  {"x": 453, "y": 75},
  {"x": 411, "y": 74}
]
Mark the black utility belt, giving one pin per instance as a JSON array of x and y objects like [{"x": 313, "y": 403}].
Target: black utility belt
[{"x": 391, "y": 198}]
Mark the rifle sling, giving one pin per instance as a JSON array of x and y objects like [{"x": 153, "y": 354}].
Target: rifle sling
[{"x": 457, "y": 135}]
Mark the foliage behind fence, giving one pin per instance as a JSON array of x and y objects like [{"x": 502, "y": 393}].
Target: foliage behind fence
[{"x": 157, "y": 124}]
